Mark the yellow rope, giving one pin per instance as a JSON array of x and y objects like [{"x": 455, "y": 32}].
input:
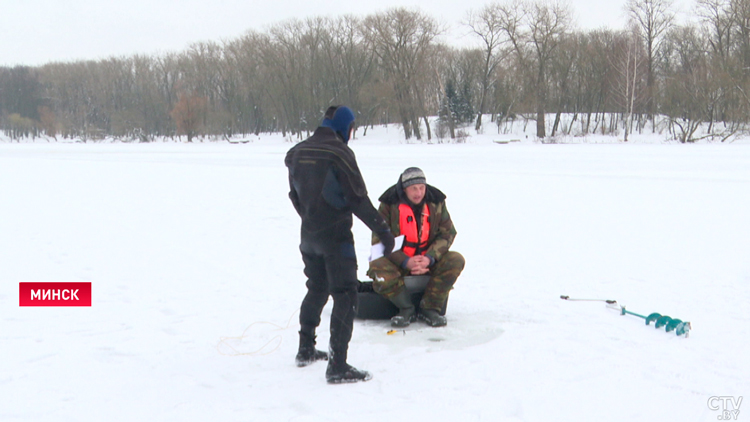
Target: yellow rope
[{"x": 235, "y": 352}]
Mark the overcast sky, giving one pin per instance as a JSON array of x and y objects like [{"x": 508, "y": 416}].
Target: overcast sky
[{"x": 34, "y": 32}]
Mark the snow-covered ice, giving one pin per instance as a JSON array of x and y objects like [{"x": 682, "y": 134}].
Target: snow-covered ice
[{"x": 192, "y": 254}]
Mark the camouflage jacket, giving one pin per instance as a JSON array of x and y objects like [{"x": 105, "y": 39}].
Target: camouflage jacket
[{"x": 442, "y": 230}]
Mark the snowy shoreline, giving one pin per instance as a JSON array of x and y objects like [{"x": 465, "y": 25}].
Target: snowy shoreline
[{"x": 512, "y": 132}]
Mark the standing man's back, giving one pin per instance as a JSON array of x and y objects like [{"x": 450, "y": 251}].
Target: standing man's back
[
  {"x": 326, "y": 187},
  {"x": 321, "y": 168}
]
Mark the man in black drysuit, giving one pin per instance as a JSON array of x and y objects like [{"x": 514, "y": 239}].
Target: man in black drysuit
[{"x": 326, "y": 187}]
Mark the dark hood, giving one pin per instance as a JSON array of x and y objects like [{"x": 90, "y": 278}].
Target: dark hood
[{"x": 340, "y": 119}]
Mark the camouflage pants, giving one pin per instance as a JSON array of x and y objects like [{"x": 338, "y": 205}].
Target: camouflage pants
[{"x": 388, "y": 279}]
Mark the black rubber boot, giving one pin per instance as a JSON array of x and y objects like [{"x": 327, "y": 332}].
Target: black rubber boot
[
  {"x": 432, "y": 318},
  {"x": 307, "y": 353},
  {"x": 407, "y": 314},
  {"x": 345, "y": 373}
]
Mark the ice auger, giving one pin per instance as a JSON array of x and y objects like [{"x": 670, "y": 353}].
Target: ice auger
[{"x": 670, "y": 324}]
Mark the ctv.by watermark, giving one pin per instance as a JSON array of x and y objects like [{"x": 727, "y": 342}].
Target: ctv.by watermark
[{"x": 728, "y": 406}]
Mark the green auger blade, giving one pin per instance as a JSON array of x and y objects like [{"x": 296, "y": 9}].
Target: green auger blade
[
  {"x": 661, "y": 322},
  {"x": 669, "y": 323},
  {"x": 673, "y": 324},
  {"x": 653, "y": 317}
]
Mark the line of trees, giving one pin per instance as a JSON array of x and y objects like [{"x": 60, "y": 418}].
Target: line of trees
[{"x": 392, "y": 67}]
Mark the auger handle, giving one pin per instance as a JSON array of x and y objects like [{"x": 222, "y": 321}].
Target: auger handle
[
  {"x": 625, "y": 311},
  {"x": 609, "y": 301}
]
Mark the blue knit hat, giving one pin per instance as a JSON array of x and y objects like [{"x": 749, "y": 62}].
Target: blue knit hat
[{"x": 340, "y": 119}]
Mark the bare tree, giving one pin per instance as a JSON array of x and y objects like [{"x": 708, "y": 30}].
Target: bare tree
[
  {"x": 401, "y": 40},
  {"x": 717, "y": 19},
  {"x": 689, "y": 87},
  {"x": 535, "y": 30},
  {"x": 348, "y": 63},
  {"x": 654, "y": 18},
  {"x": 740, "y": 10},
  {"x": 188, "y": 114},
  {"x": 562, "y": 67},
  {"x": 628, "y": 66},
  {"x": 254, "y": 110},
  {"x": 487, "y": 25}
]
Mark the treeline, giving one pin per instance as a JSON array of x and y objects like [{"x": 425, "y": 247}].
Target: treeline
[{"x": 392, "y": 67}]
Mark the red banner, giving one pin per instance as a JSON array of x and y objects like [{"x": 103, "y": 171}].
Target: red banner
[{"x": 54, "y": 294}]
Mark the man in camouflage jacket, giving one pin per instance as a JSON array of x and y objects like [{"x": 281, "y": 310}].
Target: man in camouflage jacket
[{"x": 427, "y": 253}]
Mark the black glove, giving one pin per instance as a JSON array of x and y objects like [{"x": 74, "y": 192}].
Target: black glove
[{"x": 386, "y": 238}]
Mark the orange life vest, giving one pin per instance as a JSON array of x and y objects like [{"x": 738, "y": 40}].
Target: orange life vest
[{"x": 413, "y": 237}]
